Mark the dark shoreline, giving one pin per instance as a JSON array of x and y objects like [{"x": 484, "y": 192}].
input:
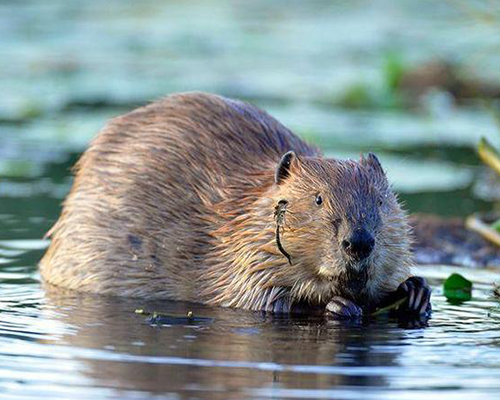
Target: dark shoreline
[{"x": 447, "y": 241}]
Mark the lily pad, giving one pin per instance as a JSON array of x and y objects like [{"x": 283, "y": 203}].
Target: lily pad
[{"x": 457, "y": 288}]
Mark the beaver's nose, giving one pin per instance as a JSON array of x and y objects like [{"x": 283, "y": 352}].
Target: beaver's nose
[{"x": 359, "y": 245}]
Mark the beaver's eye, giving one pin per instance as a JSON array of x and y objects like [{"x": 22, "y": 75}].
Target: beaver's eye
[{"x": 319, "y": 200}]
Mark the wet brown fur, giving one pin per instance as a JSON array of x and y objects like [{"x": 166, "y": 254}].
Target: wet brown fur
[{"x": 176, "y": 200}]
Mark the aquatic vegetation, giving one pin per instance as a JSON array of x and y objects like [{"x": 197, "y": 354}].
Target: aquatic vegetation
[
  {"x": 457, "y": 288},
  {"x": 490, "y": 156},
  {"x": 369, "y": 95}
]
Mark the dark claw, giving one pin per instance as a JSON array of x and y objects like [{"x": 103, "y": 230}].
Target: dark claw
[
  {"x": 418, "y": 292},
  {"x": 425, "y": 305},
  {"x": 411, "y": 294},
  {"x": 343, "y": 308},
  {"x": 418, "y": 299},
  {"x": 280, "y": 306}
]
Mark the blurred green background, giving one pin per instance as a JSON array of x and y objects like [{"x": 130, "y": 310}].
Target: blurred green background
[{"x": 417, "y": 82}]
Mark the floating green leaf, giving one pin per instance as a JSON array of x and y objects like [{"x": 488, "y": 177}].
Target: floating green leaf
[{"x": 457, "y": 288}]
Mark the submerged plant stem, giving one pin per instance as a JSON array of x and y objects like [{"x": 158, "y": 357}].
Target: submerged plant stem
[{"x": 474, "y": 223}]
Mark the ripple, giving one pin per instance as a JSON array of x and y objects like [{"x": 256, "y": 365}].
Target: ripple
[{"x": 25, "y": 244}]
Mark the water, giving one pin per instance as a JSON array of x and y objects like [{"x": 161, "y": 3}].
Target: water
[
  {"x": 82, "y": 346},
  {"x": 67, "y": 67}
]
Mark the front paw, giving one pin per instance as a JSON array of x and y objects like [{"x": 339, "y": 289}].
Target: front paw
[
  {"x": 341, "y": 308},
  {"x": 284, "y": 306},
  {"x": 418, "y": 294}
]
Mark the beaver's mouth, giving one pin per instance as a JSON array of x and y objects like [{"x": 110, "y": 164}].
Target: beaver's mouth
[
  {"x": 349, "y": 279},
  {"x": 353, "y": 280},
  {"x": 356, "y": 277}
]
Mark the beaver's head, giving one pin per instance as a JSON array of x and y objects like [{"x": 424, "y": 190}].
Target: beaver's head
[{"x": 341, "y": 226}]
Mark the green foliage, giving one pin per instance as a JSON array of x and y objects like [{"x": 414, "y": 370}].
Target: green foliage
[
  {"x": 357, "y": 95},
  {"x": 457, "y": 288},
  {"x": 360, "y": 95},
  {"x": 31, "y": 110},
  {"x": 394, "y": 70}
]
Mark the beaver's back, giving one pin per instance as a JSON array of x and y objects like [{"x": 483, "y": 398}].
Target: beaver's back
[{"x": 138, "y": 219}]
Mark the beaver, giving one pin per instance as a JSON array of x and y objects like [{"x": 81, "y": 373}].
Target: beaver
[{"x": 202, "y": 198}]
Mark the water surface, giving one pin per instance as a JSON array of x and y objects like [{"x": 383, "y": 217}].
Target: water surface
[{"x": 55, "y": 344}]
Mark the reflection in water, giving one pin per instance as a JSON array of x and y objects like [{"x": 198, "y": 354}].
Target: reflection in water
[
  {"x": 239, "y": 350},
  {"x": 55, "y": 343}
]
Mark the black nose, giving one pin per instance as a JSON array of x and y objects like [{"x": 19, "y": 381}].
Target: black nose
[{"x": 359, "y": 245}]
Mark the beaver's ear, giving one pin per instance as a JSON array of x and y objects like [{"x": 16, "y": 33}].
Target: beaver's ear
[
  {"x": 372, "y": 161},
  {"x": 283, "y": 168}
]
